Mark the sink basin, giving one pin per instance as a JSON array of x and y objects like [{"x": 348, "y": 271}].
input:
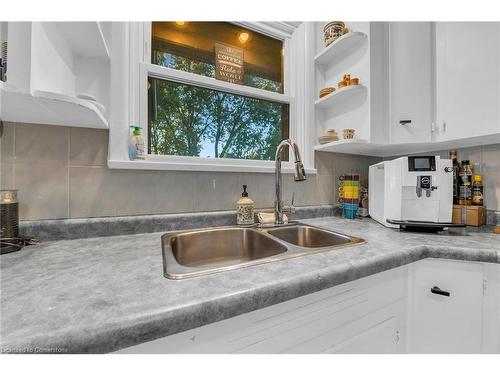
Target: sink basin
[
  {"x": 212, "y": 250},
  {"x": 307, "y": 236},
  {"x": 203, "y": 251}
]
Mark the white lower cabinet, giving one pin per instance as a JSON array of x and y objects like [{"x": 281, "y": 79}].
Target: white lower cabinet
[
  {"x": 362, "y": 316},
  {"x": 389, "y": 312},
  {"x": 455, "y": 307},
  {"x": 447, "y": 308}
]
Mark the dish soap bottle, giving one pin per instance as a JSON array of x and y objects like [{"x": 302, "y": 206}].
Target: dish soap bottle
[
  {"x": 136, "y": 144},
  {"x": 244, "y": 209}
]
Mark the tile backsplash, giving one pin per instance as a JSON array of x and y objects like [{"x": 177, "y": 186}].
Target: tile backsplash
[
  {"x": 489, "y": 158},
  {"x": 61, "y": 172}
]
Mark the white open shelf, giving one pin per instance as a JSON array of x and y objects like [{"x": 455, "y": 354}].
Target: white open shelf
[
  {"x": 351, "y": 106},
  {"x": 50, "y": 108},
  {"x": 340, "y": 49},
  {"x": 339, "y": 94},
  {"x": 345, "y": 146},
  {"x": 85, "y": 38},
  {"x": 363, "y": 147}
]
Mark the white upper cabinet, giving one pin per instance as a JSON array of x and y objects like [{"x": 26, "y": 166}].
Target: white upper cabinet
[
  {"x": 468, "y": 79},
  {"x": 410, "y": 81}
]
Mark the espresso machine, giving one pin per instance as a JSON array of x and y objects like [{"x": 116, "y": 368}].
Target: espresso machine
[{"x": 412, "y": 192}]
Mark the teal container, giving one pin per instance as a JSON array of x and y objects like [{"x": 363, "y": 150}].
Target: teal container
[{"x": 349, "y": 210}]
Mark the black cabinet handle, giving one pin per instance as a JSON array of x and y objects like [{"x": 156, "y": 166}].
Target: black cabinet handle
[
  {"x": 404, "y": 122},
  {"x": 437, "y": 290}
]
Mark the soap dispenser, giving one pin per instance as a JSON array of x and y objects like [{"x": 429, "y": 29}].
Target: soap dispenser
[
  {"x": 244, "y": 209},
  {"x": 136, "y": 144}
]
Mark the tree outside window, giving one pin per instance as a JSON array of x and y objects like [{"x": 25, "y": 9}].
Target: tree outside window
[{"x": 194, "y": 121}]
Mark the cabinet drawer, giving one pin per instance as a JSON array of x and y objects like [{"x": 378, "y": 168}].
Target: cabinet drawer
[{"x": 447, "y": 323}]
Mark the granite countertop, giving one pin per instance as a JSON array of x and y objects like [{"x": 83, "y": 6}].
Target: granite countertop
[{"x": 106, "y": 293}]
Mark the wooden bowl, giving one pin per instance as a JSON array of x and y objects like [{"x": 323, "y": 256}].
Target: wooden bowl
[
  {"x": 331, "y": 132},
  {"x": 327, "y": 139},
  {"x": 326, "y": 91},
  {"x": 354, "y": 81}
]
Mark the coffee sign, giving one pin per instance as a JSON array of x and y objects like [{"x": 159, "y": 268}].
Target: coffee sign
[{"x": 229, "y": 64}]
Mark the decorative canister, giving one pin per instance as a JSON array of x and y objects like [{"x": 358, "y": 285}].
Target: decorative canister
[
  {"x": 9, "y": 220},
  {"x": 244, "y": 209},
  {"x": 349, "y": 133},
  {"x": 333, "y": 30}
]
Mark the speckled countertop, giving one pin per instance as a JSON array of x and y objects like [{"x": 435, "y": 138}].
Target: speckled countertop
[{"x": 103, "y": 294}]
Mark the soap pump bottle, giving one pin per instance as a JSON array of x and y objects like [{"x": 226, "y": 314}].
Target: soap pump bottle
[
  {"x": 244, "y": 209},
  {"x": 136, "y": 144}
]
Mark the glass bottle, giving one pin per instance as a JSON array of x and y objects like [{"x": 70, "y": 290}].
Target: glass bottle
[
  {"x": 465, "y": 183},
  {"x": 477, "y": 191},
  {"x": 456, "y": 171}
]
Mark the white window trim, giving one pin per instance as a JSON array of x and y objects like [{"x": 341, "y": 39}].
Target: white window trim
[{"x": 136, "y": 39}]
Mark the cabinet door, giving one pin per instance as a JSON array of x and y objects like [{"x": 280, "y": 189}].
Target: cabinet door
[
  {"x": 447, "y": 324},
  {"x": 467, "y": 79},
  {"x": 410, "y": 81},
  {"x": 363, "y": 316},
  {"x": 381, "y": 337}
]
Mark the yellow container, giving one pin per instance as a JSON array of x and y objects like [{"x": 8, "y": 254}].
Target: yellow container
[{"x": 351, "y": 192}]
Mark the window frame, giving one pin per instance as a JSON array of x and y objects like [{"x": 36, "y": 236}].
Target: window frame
[{"x": 140, "y": 69}]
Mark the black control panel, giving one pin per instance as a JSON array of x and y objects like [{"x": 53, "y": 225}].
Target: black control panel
[
  {"x": 421, "y": 163},
  {"x": 424, "y": 182}
]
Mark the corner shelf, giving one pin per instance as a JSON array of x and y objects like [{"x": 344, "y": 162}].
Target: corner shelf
[
  {"x": 52, "y": 109},
  {"x": 340, "y": 49},
  {"x": 363, "y": 147},
  {"x": 346, "y": 146},
  {"x": 339, "y": 94}
]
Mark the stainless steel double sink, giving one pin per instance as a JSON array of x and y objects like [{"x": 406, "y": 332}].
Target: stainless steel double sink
[{"x": 203, "y": 251}]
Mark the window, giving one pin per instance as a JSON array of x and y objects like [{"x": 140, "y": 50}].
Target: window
[
  {"x": 194, "y": 121},
  {"x": 187, "y": 118},
  {"x": 210, "y": 96},
  {"x": 193, "y": 46}
]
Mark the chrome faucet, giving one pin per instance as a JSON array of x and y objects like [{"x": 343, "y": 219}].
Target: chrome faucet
[{"x": 299, "y": 175}]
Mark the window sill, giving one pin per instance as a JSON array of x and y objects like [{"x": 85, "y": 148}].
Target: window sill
[{"x": 157, "y": 165}]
